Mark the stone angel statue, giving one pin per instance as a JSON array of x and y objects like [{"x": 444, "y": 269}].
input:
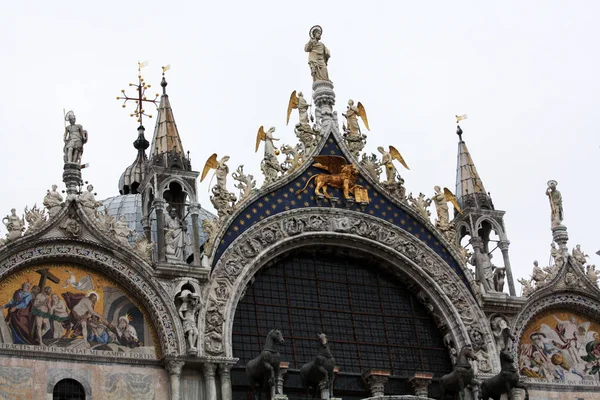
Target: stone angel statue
[
  {"x": 220, "y": 167},
  {"x": 352, "y": 114},
  {"x": 441, "y": 200},
  {"x": 387, "y": 158},
  {"x": 298, "y": 102}
]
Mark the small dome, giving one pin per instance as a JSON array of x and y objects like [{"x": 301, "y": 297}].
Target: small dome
[{"x": 130, "y": 205}]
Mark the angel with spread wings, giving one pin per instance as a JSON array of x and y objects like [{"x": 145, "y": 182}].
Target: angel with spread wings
[
  {"x": 352, "y": 114},
  {"x": 267, "y": 137},
  {"x": 298, "y": 102},
  {"x": 387, "y": 158},
  {"x": 221, "y": 169},
  {"x": 441, "y": 200},
  {"x": 341, "y": 176}
]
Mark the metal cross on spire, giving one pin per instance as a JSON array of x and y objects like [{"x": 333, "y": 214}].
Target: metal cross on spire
[{"x": 141, "y": 88}]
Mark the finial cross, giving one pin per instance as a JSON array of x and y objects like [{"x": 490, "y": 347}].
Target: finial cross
[{"x": 141, "y": 98}]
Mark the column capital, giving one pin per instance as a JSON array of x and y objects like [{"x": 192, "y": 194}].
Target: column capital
[
  {"x": 158, "y": 203},
  {"x": 209, "y": 369},
  {"x": 194, "y": 208},
  {"x": 225, "y": 370},
  {"x": 420, "y": 383},
  {"x": 476, "y": 242},
  {"x": 376, "y": 380},
  {"x": 503, "y": 244},
  {"x": 174, "y": 367}
]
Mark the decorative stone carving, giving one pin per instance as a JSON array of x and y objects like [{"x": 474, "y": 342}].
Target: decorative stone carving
[
  {"x": 527, "y": 288},
  {"x": 105, "y": 223},
  {"x": 376, "y": 381},
  {"x": 188, "y": 312},
  {"x": 355, "y": 143},
  {"x": 122, "y": 231},
  {"x": 480, "y": 348},
  {"x": 222, "y": 199},
  {"x": 269, "y": 166},
  {"x": 557, "y": 255},
  {"x": 36, "y": 217},
  {"x": 420, "y": 382},
  {"x": 579, "y": 255},
  {"x": 318, "y": 55},
  {"x": 372, "y": 165},
  {"x": 14, "y": 225},
  {"x": 238, "y": 257},
  {"x": 71, "y": 224},
  {"x": 451, "y": 346},
  {"x": 294, "y": 157},
  {"x": 143, "y": 248},
  {"x": 53, "y": 201},
  {"x": 420, "y": 204},
  {"x": 592, "y": 275},
  {"x": 246, "y": 183},
  {"x": 556, "y": 208},
  {"x": 211, "y": 228},
  {"x": 75, "y": 138},
  {"x": 88, "y": 201},
  {"x": 502, "y": 335}
]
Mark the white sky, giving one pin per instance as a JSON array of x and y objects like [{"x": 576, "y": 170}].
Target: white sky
[{"x": 526, "y": 73}]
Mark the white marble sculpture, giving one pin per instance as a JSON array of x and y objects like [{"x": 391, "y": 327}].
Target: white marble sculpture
[
  {"x": 579, "y": 255},
  {"x": 53, "y": 201},
  {"x": 88, "y": 201},
  {"x": 122, "y": 231},
  {"x": 14, "y": 224},
  {"x": 35, "y": 217},
  {"x": 441, "y": 207},
  {"x": 592, "y": 275},
  {"x": 484, "y": 271},
  {"x": 188, "y": 310},
  {"x": 420, "y": 204},
  {"x": 318, "y": 55},
  {"x": 556, "y": 207},
  {"x": 176, "y": 238},
  {"x": 502, "y": 335},
  {"x": 75, "y": 137}
]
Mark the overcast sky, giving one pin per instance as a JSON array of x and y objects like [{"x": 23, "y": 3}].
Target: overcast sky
[{"x": 526, "y": 73}]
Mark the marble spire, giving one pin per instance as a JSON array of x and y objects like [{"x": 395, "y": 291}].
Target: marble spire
[
  {"x": 469, "y": 187},
  {"x": 166, "y": 136}
]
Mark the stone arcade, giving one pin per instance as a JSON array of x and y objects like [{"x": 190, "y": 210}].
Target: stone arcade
[{"x": 329, "y": 280}]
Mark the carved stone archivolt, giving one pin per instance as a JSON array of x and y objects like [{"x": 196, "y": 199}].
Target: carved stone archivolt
[{"x": 449, "y": 300}]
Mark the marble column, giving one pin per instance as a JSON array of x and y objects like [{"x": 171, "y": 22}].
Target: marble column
[
  {"x": 195, "y": 212},
  {"x": 174, "y": 368},
  {"x": 376, "y": 380},
  {"x": 209, "y": 370},
  {"x": 503, "y": 244},
  {"x": 420, "y": 383},
  {"x": 225, "y": 375},
  {"x": 159, "y": 208},
  {"x": 283, "y": 369}
]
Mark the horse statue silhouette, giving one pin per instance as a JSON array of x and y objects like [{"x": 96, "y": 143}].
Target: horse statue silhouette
[
  {"x": 318, "y": 374},
  {"x": 263, "y": 370},
  {"x": 505, "y": 381},
  {"x": 463, "y": 375}
]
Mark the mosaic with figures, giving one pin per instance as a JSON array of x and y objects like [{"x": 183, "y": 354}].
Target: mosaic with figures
[
  {"x": 69, "y": 309},
  {"x": 561, "y": 345}
]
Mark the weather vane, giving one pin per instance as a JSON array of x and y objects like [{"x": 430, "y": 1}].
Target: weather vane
[{"x": 141, "y": 88}]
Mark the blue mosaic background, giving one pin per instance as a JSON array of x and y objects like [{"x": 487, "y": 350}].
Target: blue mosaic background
[{"x": 285, "y": 198}]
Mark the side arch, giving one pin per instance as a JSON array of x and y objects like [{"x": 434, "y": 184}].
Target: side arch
[
  {"x": 132, "y": 276},
  {"x": 449, "y": 297}
]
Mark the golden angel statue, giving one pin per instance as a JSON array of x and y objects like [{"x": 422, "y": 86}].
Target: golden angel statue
[
  {"x": 352, "y": 114},
  {"x": 222, "y": 199},
  {"x": 441, "y": 200},
  {"x": 341, "y": 175},
  {"x": 387, "y": 158},
  {"x": 298, "y": 102},
  {"x": 220, "y": 167}
]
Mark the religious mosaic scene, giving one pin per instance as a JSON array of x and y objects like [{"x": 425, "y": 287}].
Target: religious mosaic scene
[{"x": 320, "y": 272}]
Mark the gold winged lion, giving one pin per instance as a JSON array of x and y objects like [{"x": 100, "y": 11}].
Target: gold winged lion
[{"x": 341, "y": 176}]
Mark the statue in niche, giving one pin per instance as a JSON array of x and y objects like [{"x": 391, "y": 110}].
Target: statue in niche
[
  {"x": 75, "y": 138},
  {"x": 318, "y": 55},
  {"x": 499, "y": 278},
  {"x": 502, "y": 335},
  {"x": 176, "y": 238},
  {"x": 14, "y": 225},
  {"x": 53, "y": 201},
  {"x": 556, "y": 207},
  {"x": 88, "y": 200},
  {"x": 484, "y": 271},
  {"x": 188, "y": 312}
]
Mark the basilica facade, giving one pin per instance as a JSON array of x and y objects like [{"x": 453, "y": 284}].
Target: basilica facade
[{"x": 326, "y": 281}]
